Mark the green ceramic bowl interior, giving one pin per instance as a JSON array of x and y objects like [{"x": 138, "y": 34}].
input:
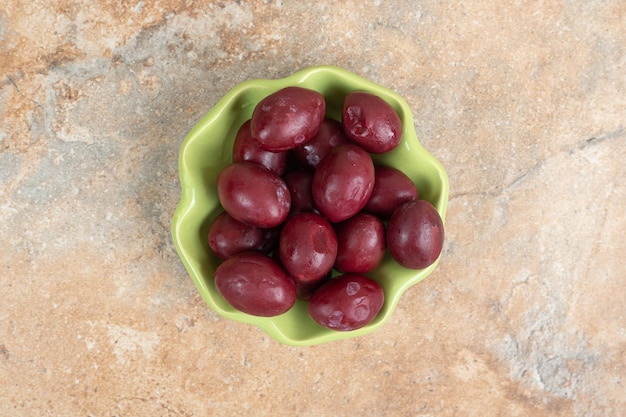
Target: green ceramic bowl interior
[{"x": 207, "y": 149}]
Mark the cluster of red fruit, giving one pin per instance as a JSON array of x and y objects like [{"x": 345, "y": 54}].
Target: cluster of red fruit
[{"x": 303, "y": 198}]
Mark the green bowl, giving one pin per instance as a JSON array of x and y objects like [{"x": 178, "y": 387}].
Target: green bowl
[{"x": 207, "y": 149}]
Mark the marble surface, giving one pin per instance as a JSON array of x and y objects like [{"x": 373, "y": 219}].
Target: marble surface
[{"x": 523, "y": 102}]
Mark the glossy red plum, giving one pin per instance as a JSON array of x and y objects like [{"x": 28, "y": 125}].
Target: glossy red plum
[
  {"x": 392, "y": 187},
  {"x": 253, "y": 194},
  {"x": 360, "y": 243},
  {"x": 371, "y": 122},
  {"x": 343, "y": 182},
  {"x": 415, "y": 234},
  {"x": 287, "y": 118},
  {"x": 228, "y": 236},
  {"x": 255, "y": 284},
  {"x": 246, "y": 149},
  {"x": 307, "y": 246},
  {"x": 347, "y": 302}
]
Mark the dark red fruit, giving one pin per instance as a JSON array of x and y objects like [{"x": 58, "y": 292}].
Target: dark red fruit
[
  {"x": 307, "y": 246},
  {"x": 306, "y": 289},
  {"x": 330, "y": 135},
  {"x": 253, "y": 194},
  {"x": 360, "y": 243},
  {"x": 343, "y": 182},
  {"x": 228, "y": 236},
  {"x": 347, "y": 302},
  {"x": 415, "y": 234},
  {"x": 392, "y": 187},
  {"x": 300, "y": 184},
  {"x": 371, "y": 122},
  {"x": 255, "y": 284},
  {"x": 287, "y": 118},
  {"x": 246, "y": 149}
]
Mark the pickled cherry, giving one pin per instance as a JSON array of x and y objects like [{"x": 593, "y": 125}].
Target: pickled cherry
[
  {"x": 255, "y": 284},
  {"x": 343, "y": 182},
  {"x": 360, "y": 243},
  {"x": 228, "y": 236},
  {"x": 307, "y": 246},
  {"x": 287, "y": 118},
  {"x": 347, "y": 302},
  {"x": 246, "y": 149},
  {"x": 392, "y": 187},
  {"x": 415, "y": 234},
  {"x": 253, "y": 194},
  {"x": 371, "y": 122}
]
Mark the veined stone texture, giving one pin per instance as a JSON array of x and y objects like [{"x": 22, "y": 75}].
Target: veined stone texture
[{"x": 524, "y": 103}]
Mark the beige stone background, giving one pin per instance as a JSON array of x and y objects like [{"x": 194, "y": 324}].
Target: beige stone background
[{"x": 524, "y": 102}]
